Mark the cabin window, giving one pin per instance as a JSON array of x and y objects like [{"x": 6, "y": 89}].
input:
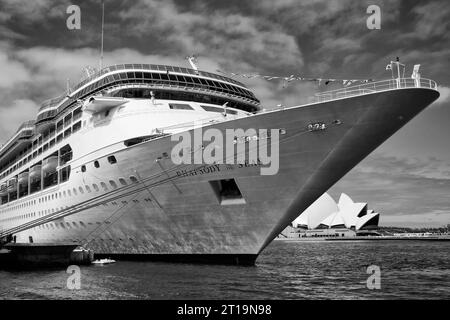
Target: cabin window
[
  {"x": 113, "y": 184},
  {"x": 65, "y": 155},
  {"x": 133, "y": 179},
  {"x": 83, "y": 168},
  {"x": 67, "y": 119},
  {"x": 112, "y": 159},
  {"x": 180, "y": 106},
  {"x": 76, "y": 126},
  {"x": 96, "y": 164},
  {"x": 77, "y": 114},
  {"x": 65, "y": 174},
  {"x": 218, "y": 109},
  {"x": 67, "y": 133},
  {"x": 60, "y": 125}
]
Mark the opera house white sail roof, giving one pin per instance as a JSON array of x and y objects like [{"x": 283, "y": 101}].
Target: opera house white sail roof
[{"x": 325, "y": 213}]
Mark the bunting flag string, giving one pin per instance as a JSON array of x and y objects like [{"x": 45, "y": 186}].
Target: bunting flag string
[{"x": 288, "y": 79}]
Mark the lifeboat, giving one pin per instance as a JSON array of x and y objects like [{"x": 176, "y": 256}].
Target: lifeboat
[
  {"x": 23, "y": 179},
  {"x": 35, "y": 172},
  {"x": 3, "y": 190},
  {"x": 50, "y": 164},
  {"x": 12, "y": 185}
]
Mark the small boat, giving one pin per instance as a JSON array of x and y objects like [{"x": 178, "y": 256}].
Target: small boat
[{"x": 103, "y": 261}]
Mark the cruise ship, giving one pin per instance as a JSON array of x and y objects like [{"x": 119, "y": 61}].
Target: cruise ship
[{"x": 94, "y": 168}]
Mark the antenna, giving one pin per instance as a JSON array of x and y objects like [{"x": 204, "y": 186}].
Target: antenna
[{"x": 103, "y": 24}]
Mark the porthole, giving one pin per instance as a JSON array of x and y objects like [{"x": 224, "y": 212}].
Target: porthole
[
  {"x": 104, "y": 186},
  {"x": 112, "y": 159},
  {"x": 133, "y": 179}
]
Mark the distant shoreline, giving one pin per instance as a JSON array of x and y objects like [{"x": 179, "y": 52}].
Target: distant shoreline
[{"x": 371, "y": 238}]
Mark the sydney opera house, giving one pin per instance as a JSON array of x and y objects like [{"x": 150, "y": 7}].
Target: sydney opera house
[{"x": 328, "y": 218}]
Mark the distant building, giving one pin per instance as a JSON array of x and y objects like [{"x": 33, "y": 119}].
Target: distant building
[
  {"x": 326, "y": 218},
  {"x": 325, "y": 213}
]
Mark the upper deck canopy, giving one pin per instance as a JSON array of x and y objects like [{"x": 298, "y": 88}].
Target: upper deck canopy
[{"x": 157, "y": 76}]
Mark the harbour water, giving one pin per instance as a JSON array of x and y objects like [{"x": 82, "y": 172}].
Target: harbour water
[{"x": 285, "y": 270}]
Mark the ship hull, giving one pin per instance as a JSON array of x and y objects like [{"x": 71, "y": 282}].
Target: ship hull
[{"x": 183, "y": 219}]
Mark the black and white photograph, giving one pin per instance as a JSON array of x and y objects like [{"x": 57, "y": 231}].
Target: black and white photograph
[{"x": 204, "y": 151}]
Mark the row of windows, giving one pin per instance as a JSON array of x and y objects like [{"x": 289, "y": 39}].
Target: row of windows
[
  {"x": 37, "y": 178},
  {"x": 68, "y": 193},
  {"x": 166, "y": 69},
  {"x": 180, "y": 81},
  {"x": 182, "y": 106},
  {"x": 153, "y": 78},
  {"x": 29, "y": 155},
  {"x": 146, "y": 93},
  {"x": 111, "y": 160}
]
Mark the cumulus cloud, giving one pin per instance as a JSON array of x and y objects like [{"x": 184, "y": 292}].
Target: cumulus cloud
[
  {"x": 15, "y": 114},
  {"x": 444, "y": 95},
  {"x": 403, "y": 188},
  {"x": 12, "y": 72},
  {"x": 220, "y": 34},
  {"x": 32, "y": 11},
  {"x": 432, "y": 20}
]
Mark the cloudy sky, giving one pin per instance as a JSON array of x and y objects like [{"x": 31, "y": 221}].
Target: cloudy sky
[{"x": 407, "y": 179}]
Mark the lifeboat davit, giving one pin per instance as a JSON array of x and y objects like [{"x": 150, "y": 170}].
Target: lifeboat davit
[
  {"x": 23, "y": 179},
  {"x": 35, "y": 172},
  {"x": 50, "y": 164}
]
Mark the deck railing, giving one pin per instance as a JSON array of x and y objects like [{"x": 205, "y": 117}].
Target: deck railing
[{"x": 371, "y": 87}]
